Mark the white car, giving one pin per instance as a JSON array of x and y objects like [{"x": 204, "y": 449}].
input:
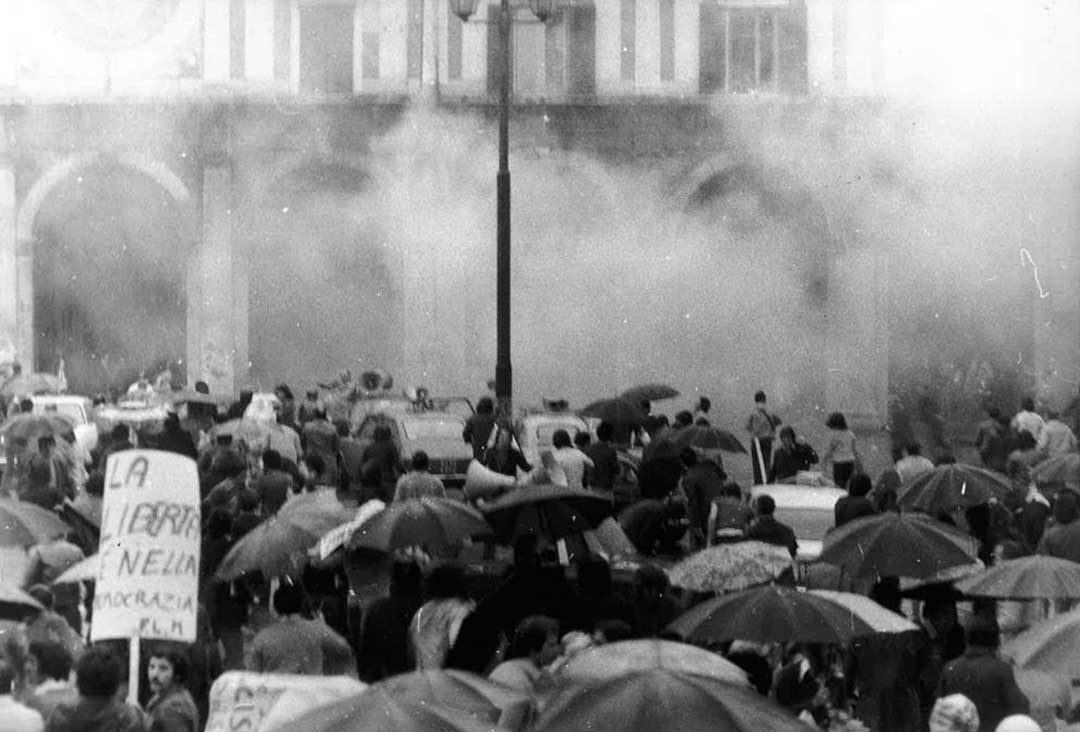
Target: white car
[
  {"x": 534, "y": 432},
  {"x": 808, "y": 510},
  {"x": 78, "y": 409}
]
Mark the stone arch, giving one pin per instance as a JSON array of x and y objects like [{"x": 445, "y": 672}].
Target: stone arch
[{"x": 55, "y": 175}]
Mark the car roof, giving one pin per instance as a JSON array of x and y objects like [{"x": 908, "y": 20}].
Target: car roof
[
  {"x": 59, "y": 399},
  {"x": 429, "y": 416},
  {"x": 547, "y": 417},
  {"x": 800, "y": 496}
]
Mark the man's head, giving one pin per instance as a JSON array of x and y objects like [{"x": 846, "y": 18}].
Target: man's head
[
  {"x": 485, "y": 406},
  {"x": 536, "y": 637},
  {"x": 421, "y": 461},
  {"x": 48, "y": 660},
  {"x": 319, "y": 412},
  {"x": 1027, "y": 404},
  {"x": 912, "y": 448},
  {"x": 97, "y": 675},
  {"x": 983, "y": 632},
  {"x": 684, "y": 419},
  {"x": 582, "y": 440},
  {"x": 764, "y": 505},
  {"x": 167, "y": 666},
  {"x": 289, "y": 599},
  {"x": 759, "y": 398},
  {"x": 704, "y": 405},
  {"x": 787, "y": 437},
  {"x": 860, "y": 485},
  {"x": 940, "y": 613},
  {"x": 271, "y": 460},
  {"x": 560, "y": 438},
  {"x": 605, "y": 432}
]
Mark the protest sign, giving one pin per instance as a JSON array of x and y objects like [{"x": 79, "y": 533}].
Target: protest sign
[
  {"x": 242, "y": 701},
  {"x": 148, "y": 574}
]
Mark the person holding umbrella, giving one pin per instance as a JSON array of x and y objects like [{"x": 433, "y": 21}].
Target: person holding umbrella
[{"x": 762, "y": 428}]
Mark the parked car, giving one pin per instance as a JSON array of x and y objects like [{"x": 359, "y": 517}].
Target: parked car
[
  {"x": 439, "y": 434},
  {"x": 78, "y": 409},
  {"x": 809, "y": 511}
]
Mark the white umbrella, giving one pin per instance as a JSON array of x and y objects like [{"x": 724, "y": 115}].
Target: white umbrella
[{"x": 83, "y": 571}]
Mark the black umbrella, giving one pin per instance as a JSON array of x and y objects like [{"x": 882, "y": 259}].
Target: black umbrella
[
  {"x": 552, "y": 511},
  {"x": 649, "y": 393},
  {"x": 616, "y": 411},
  {"x": 708, "y": 438}
]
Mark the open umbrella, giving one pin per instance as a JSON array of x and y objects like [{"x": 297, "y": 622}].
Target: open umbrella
[
  {"x": 84, "y": 516},
  {"x": 25, "y": 524},
  {"x": 1052, "y": 645},
  {"x": 376, "y": 708},
  {"x": 429, "y": 522},
  {"x": 953, "y": 486},
  {"x": 881, "y": 619},
  {"x": 548, "y": 510},
  {"x": 16, "y": 604},
  {"x": 1058, "y": 469},
  {"x": 731, "y": 567},
  {"x": 771, "y": 614},
  {"x": 616, "y": 411},
  {"x": 661, "y": 699},
  {"x": 1026, "y": 578},
  {"x": 458, "y": 691},
  {"x": 30, "y": 384},
  {"x": 85, "y": 570},
  {"x": 649, "y": 393},
  {"x": 280, "y": 544},
  {"x": 708, "y": 438},
  {"x": 897, "y": 544},
  {"x": 613, "y": 659},
  {"x": 31, "y": 426}
]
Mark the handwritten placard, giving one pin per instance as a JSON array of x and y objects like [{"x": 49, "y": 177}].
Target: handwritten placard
[
  {"x": 242, "y": 701},
  {"x": 148, "y": 578}
]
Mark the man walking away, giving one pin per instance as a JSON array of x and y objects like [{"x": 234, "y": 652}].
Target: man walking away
[
  {"x": 418, "y": 482},
  {"x": 762, "y": 428}
]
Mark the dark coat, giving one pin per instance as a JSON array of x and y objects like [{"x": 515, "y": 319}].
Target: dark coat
[
  {"x": 771, "y": 531},
  {"x": 852, "y": 507},
  {"x": 787, "y": 463},
  {"x": 988, "y": 682}
]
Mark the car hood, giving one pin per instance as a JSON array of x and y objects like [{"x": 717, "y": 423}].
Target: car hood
[{"x": 436, "y": 448}]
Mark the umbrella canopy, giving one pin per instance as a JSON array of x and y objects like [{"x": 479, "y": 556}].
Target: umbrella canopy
[
  {"x": 771, "y": 614},
  {"x": 949, "y": 487},
  {"x": 552, "y": 511},
  {"x": 708, "y": 438},
  {"x": 376, "y": 708},
  {"x": 660, "y": 699},
  {"x": 30, "y": 384},
  {"x": 429, "y": 522},
  {"x": 458, "y": 691},
  {"x": 279, "y": 545},
  {"x": 897, "y": 544},
  {"x": 1026, "y": 578},
  {"x": 85, "y": 570},
  {"x": 731, "y": 567},
  {"x": 614, "y": 659},
  {"x": 1058, "y": 469},
  {"x": 16, "y": 604},
  {"x": 616, "y": 411},
  {"x": 649, "y": 393},
  {"x": 1052, "y": 645},
  {"x": 881, "y": 619},
  {"x": 83, "y": 515},
  {"x": 31, "y": 426},
  {"x": 26, "y": 524}
]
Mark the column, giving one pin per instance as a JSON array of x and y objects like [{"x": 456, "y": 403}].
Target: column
[
  {"x": 215, "y": 274},
  {"x": 216, "y": 61},
  {"x": 9, "y": 335},
  {"x": 259, "y": 43}
]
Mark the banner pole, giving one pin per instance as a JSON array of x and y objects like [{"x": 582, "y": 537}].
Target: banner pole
[{"x": 133, "y": 670}]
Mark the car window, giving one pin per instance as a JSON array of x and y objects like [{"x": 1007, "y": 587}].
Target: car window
[
  {"x": 72, "y": 411},
  {"x": 807, "y": 523},
  {"x": 433, "y": 429},
  {"x": 547, "y": 430}
]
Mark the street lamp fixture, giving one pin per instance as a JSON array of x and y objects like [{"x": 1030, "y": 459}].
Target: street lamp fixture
[{"x": 464, "y": 9}]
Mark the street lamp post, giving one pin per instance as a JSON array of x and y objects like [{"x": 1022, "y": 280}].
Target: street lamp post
[{"x": 504, "y": 375}]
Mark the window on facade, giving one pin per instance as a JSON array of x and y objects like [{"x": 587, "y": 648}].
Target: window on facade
[
  {"x": 553, "y": 60},
  {"x": 667, "y": 40},
  {"x": 326, "y": 48},
  {"x": 627, "y": 33},
  {"x": 748, "y": 49},
  {"x": 369, "y": 39}
]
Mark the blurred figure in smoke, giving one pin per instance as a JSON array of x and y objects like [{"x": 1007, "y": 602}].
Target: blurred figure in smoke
[
  {"x": 990, "y": 441},
  {"x": 762, "y": 428}
]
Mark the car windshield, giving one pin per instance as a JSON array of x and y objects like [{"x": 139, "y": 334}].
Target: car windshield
[
  {"x": 433, "y": 429},
  {"x": 807, "y": 523},
  {"x": 545, "y": 432},
  {"x": 72, "y": 411}
]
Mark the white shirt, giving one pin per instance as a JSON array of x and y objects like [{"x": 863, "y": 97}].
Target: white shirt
[
  {"x": 19, "y": 717},
  {"x": 573, "y": 462},
  {"x": 912, "y": 466},
  {"x": 1056, "y": 438},
  {"x": 1025, "y": 421}
]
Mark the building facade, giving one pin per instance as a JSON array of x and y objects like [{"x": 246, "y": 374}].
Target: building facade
[{"x": 203, "y": 110}]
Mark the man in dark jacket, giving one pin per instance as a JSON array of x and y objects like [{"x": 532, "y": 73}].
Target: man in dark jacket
[
  {"x": 983, "y": 677},
  {"x": 479, "y": 427},
  {"x": 97, "y": 709},
  {"x": 792, "y": 456},
  {"x": 605, "y": 460},
  {"x": 383, "y": 649},
  {"x": 855, "y": 504},
  {"x": 767, "y": 529},
  {"x": 702, "y": 483},
  {"x": 175, "y": 438}
]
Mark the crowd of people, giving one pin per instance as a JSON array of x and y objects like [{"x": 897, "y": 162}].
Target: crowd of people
[{"x": 375, "y": 619}]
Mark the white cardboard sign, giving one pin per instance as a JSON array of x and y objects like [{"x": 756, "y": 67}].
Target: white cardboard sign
[{"x": 148, "y": 578}]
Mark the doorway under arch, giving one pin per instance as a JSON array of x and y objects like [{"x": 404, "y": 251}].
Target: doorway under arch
[{"x": 110, "y": 258}]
